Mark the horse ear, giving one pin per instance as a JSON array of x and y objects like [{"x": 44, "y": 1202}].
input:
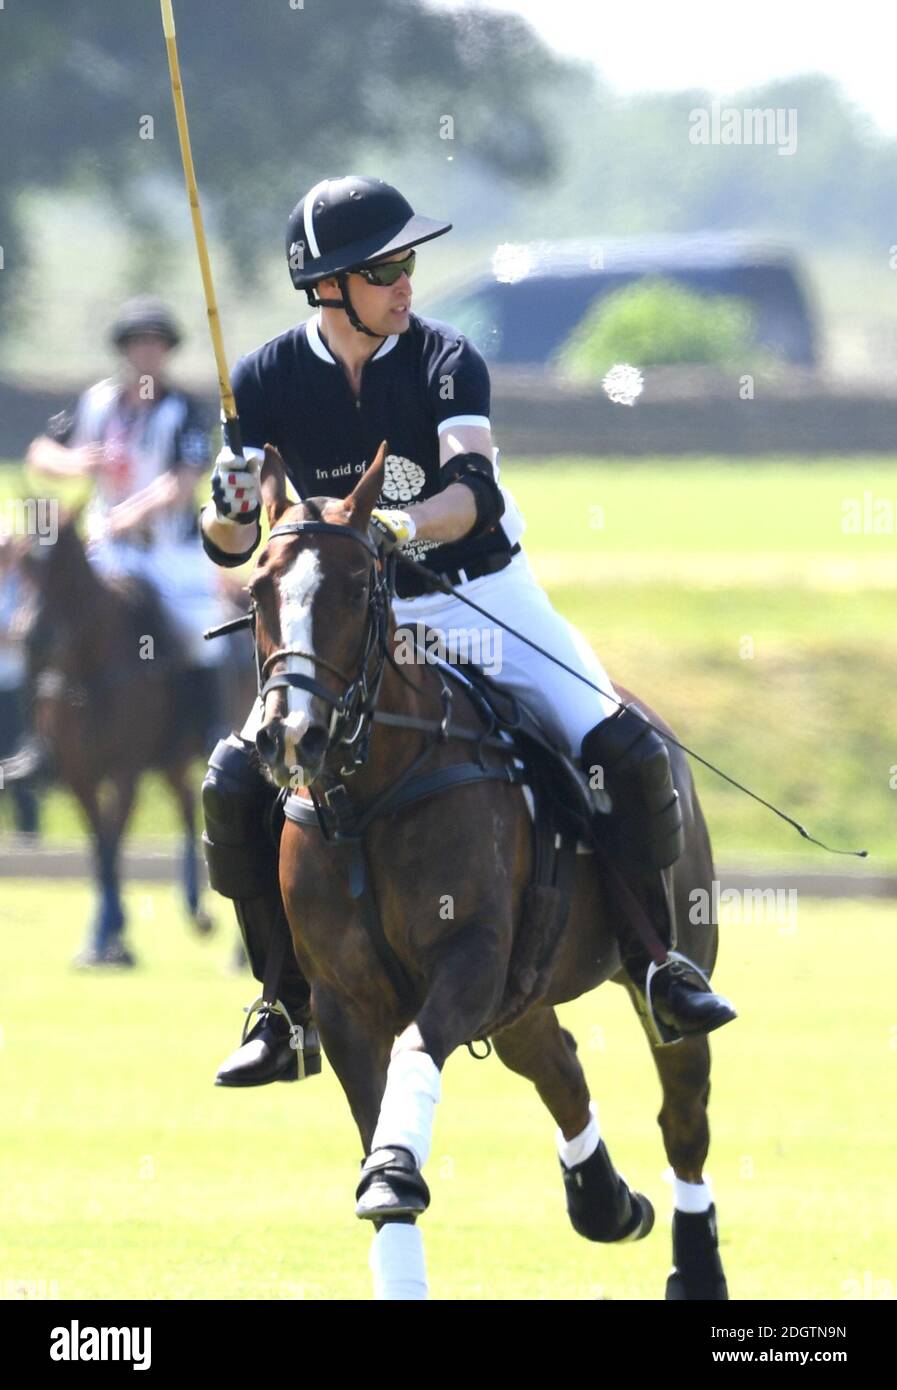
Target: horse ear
[
  {"x": 273, "y": 484},
  {"x": 363, "y": 497}
]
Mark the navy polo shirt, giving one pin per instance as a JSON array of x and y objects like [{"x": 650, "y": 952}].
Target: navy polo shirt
[{"x": 293, "y": 393}]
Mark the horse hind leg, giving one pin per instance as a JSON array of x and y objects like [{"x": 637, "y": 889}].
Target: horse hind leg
[
  {"x": 684, "y": 1071},
  {"x": 600, "y": 1204}
]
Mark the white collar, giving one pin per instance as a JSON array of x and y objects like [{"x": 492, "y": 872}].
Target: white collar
[{"x": 320, "y": 348}]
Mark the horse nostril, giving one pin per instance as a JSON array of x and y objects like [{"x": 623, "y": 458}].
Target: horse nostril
[
  {"x": 313, "y": 745},
  {"x": 269, "y": 742}
]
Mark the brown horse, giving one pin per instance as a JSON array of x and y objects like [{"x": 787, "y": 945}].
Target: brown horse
[
  {"x": 105, "y": 669},
  {"x": 407, "y": 930}
]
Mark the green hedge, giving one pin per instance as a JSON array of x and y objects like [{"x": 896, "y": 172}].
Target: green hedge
[{"x": 656, "y": 322}]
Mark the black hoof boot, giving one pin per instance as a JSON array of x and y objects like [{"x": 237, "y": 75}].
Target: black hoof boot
[
  {"x": 697, "y": 1272},
  {"x": 600, "y": 1204},
  {"x": 265, "y": 1055},
  {"x": 391, "y": 1185}
]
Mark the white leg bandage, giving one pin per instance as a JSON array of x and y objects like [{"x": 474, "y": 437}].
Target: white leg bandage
[
  {"x": 581, "y": 1146},
  {"x": 406, "y": 1111},
  {"x": 691, "y": 1196},
  {"x": 397, "y": 1262}
]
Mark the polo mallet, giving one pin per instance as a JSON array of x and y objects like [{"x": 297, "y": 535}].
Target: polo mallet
[{"x": 232, "y": 433}]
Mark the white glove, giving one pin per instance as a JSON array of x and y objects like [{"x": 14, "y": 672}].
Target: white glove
[{"x": 235, "y": 485}]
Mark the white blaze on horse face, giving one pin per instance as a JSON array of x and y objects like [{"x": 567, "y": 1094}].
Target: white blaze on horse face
[{"x": 298, "y": 587}]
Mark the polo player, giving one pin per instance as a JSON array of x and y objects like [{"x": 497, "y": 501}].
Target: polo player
[
  {"x": 362, "y": 369},
  {"x": 144, "y": 444}
]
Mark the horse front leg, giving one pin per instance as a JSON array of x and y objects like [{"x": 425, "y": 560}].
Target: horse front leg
[
  {"x": 356, "y": 1034},
  {"x": 464, "y": 990}
]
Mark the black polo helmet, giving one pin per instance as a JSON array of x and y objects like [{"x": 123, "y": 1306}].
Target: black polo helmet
[
  {"x": 345, "y": 222},
  {"x": 145, "y": 314}
]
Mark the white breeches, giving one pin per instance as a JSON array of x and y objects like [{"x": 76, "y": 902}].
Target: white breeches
[{"x": 566, "y": 707}]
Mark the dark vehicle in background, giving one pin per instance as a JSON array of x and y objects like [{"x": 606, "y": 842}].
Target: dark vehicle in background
[{"x": 521, "y": 311}]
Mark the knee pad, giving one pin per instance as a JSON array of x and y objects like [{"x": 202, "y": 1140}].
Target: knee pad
[
  {"x": 237, "y": 804},
  {"x": 638, "y": 775}
]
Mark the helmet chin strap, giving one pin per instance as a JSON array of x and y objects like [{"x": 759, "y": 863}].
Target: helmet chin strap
[{"x": 344, "y": 303}]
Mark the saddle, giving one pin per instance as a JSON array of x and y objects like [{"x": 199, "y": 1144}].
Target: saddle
[{"x": 562, "y": 787}]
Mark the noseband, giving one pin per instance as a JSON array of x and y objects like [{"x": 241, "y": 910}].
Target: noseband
[{"x": 353, "y": 709}]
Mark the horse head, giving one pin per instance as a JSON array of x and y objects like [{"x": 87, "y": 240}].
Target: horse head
[{"x": 320, "y": 596}]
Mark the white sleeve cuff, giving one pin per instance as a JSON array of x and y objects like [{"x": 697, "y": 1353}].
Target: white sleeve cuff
[{"x": 481, "y": 421}]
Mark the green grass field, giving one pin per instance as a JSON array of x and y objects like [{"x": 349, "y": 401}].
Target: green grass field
[
  {"x": 732, "y": 598},
  {"x": 124, "y": 1173}
]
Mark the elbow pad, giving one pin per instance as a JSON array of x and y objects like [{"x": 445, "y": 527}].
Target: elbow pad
[{"x": 476, "y": 472}]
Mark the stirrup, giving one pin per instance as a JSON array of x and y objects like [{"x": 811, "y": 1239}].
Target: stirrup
[
  {"x": 665, "y": 1031},
  {"x": 297, "y": 1033}
]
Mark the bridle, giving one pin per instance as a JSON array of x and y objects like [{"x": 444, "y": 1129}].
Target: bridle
[{"x": 352, "y": 712}]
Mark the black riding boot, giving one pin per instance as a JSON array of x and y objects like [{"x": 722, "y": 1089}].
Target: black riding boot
[
  {"x": 242, "y": 857},
  {"x": 645, "y": 836}
]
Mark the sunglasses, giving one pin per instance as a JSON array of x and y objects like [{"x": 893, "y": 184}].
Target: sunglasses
[{"x": 388, "y": 272}]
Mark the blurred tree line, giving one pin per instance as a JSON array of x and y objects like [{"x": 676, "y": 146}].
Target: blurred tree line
[
  {"x": 629, "y": 168},
  {"x": 277, "y": 91},
  {"x": 281, "y": 91}
]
